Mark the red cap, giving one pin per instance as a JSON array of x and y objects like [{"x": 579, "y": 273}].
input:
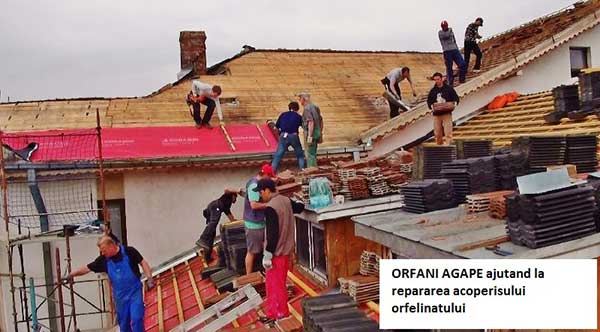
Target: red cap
[
  {"x": 267, "y": 170},
  {"x": 444, "y": 24}
]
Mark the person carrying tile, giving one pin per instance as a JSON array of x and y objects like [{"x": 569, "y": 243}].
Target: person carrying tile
[
  {"x": 471, "y": 36},
  {"x": 254, "y": 217},
  {"x": 288, "y": 124},
  {"x": 212, "y": 214},
  {"x": 451, "y": 54},
  {"x": 442, "y": 99},
  {"x": 279, "y": 246},
  {"x": 207, "y": 95},
  {"x": 312, "y": 123},
  {"x": 393, "y": 79}
]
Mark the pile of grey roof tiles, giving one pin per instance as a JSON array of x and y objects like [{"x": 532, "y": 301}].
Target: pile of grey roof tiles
[
  {"x": 581, "y": 152},
  {"x": 508, "y": 167},
  {"x": 233, "y": 237},
  {"x": 428, "y": 195},
  {"x": 589, "y": 86},
  {"x": 473, "y": 148},
  {"x": 541, "y": 151},
  {"x": 434, "y": 157},
  {"x": 470, "y": 176},
  {"x": 566, "y": 103},
  {"x": 553, "y": 217},
  {"x": 335, "y": 313}
]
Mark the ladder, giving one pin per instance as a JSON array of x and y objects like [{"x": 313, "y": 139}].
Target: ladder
[{"x": 223, "y": 312}]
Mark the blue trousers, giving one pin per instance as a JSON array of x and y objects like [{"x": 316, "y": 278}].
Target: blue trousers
[
  {"x": 284, "y": 142},
  {"x": 451, "y": 57},
  {"x": 130, "y": 312}
]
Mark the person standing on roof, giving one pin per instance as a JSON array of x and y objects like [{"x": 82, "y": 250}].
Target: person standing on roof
[
  {"x": 451, "y": 54},
  {"x": 471, "y": 36},
  {"x": 312, "y": 123},
  {"x": 254, "y": 217},
  {"x": 280, "y": 244},
  {"x": 442, "y": 99},
  {"x": 288, "y": 124},
  {"x": 121, "y": 265},
  {"x": 393, "y": 79},
  {"x": 208, "y": 95},
  {"x": 212, "y": 214}
]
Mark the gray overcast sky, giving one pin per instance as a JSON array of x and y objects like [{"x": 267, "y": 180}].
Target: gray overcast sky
[{"x": 58, "y": 49}]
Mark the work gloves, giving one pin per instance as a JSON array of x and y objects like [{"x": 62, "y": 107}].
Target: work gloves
[
  {"x": 267, "y": 260},
  {"x": 67, "y": 280},
  {"x": 149, "y": 284}
]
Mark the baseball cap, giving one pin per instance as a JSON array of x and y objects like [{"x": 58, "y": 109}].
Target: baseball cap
[
  {"x": 265, "y": 184},
  {"x": 267, "y": 170}
]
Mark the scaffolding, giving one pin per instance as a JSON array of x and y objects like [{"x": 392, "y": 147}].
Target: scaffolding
[{"x": 50, "y": 187}]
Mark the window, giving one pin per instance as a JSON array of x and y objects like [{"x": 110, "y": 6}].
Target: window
[
  {"x": 310, "y": 247},
  {"x": 116, "y": 212},
  {"x": 579, "y": 59}
]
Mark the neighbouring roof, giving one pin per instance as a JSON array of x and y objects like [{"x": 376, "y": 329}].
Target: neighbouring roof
[
  {"x": 507, "y": 52},
  {"x": 453, "y": 233},
  {"x": 525, "y": 116}
]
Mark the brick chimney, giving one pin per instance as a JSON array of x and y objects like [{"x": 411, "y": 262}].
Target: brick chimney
[{"x": 193, "y": 51}]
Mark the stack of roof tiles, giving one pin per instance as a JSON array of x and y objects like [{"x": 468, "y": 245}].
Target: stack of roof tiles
[
  {"x": 553, "y": 217},
  {"x": 581, "y": 152},
  {"x": 470, "y": 176},
  {"x": 223, "y": 280},
  {"x": 434, "y": 157},
  {"x": 378, "y": 186},
  {"x": 428, "y": 195},
  {"x": 566, "y": 101},
  {"x": 473, "y": 148},
  {"x": 369, "y": 263},
  {"x": 590, "y": 92},
  {"x": 358, "y": 187},
  {"x": 542, "y": 151},
  {"x": 508, "y": 167},
  {"x": 335, "y": 313},
  {"x": 233, "y": 237}
]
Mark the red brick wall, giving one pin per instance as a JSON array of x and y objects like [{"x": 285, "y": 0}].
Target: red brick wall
[{"x": 193, "y": 51}]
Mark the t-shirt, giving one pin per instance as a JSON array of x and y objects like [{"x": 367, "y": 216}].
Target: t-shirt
[
  {"x": 99, "y": 265},
  {"x": 205, "y": 89},
  {"x": 447, "y": 40},
  {"x": 395, "y": 76},
  {"x": 312, "y": 113},
  {"x": 253, "y": 219},
  {"x": 289, "y": 122}
]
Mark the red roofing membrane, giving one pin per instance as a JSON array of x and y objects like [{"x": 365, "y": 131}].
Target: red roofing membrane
[{"x": 145, "y": 142}]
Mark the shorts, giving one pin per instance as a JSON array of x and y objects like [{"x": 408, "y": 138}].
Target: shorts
[{"x": 255, "y": 240}]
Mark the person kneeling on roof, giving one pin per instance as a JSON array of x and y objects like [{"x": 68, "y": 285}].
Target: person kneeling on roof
[
  {"x": 280, "y": 229},
  {"x": 121, "y": 264},
  {"x": 442, "y": 99},
  {"x": 208, "y": 95},
  {"x": 212, "y": 214}
]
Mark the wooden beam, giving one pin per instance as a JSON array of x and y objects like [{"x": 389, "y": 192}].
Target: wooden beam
[
  {"x": 484, "y": 243},
  {"x": 177, "y": 296},
  {"x": 161, "y": 322},
  {"x": 301, "y": 284},
  {"x": 194, "y": 286},
  {"x": 262, "y": 134}
]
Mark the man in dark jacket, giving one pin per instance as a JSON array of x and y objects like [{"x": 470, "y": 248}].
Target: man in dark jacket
[
  {"x": 212, "y": 214},
  {"x": 471, "y": 36},
  {"x": 287, "y": 124},
  {"x": 443, "y": 98},
  {"x": 280, "y": 243}
]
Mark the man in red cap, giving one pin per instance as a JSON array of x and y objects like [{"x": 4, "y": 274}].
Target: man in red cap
[{"x": 254, "y": 217}]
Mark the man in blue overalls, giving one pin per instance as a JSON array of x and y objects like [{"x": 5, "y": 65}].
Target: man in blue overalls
[{"x": 121, "y": 264}]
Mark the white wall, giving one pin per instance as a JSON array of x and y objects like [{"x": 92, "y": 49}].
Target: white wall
[
  {"x": 543, "y": 74},
  {"x": 164, "y": 208}
]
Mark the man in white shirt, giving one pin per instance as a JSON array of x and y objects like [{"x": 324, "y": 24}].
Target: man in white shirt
[
  {"x": 208, "y": 95},
  {"x": 393, "y": 79}
]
